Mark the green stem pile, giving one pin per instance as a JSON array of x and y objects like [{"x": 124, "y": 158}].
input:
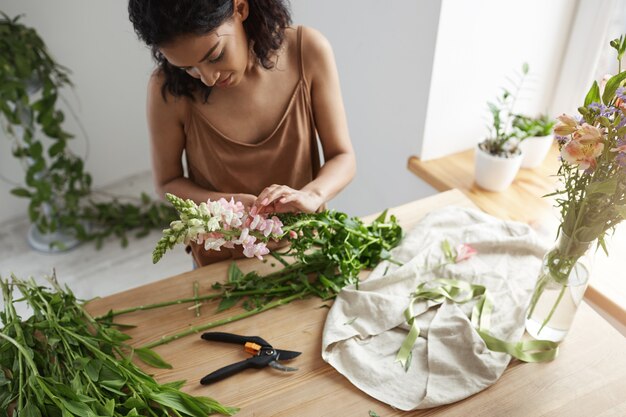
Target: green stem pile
[
  {"x": 62, "y": 362},
  {"x": 330, "y": 251}
]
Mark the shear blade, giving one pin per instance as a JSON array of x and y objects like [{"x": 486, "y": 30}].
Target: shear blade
[{"x": 281, "y": 367}]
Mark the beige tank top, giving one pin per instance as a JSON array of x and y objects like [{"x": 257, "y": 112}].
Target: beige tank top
[{"x": 288, "y": 156}]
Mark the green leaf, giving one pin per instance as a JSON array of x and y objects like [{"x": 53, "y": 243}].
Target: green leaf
[
  {"x": 381, "y": 217},
  {"x": 135, "y": 402},
  {"x": 56, "y": 148},
  {"x": 234, "y": 273},
  {"x": 593, "y": 96},
  {"x": 173, "y": 399},
  {"x": 607, "y": 187},
  {"x": 175, "y": 384},
  {"x": 227, "y": 302},
  {"x": 76, "y": 408},
  {"x": 29, "y": 410},
  {"x": 151, "y": 358},
  {"x": 611, "y": 86},
  {"x": 21, "y": 192},
  {"x": 93, "y": 369},
  {"x": 373, "y": 414}
]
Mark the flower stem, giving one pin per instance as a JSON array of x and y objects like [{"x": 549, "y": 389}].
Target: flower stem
[
  {"x": 195, "y": 329},
  {"x": 556, "y": 304},
  {"x": 114, "y": 313}
]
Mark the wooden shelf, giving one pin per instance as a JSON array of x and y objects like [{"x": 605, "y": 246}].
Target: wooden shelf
[{"x": 521, "y": 201}]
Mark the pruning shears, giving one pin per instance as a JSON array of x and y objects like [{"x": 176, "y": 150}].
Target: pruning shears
[{"x": 263, "y": 353}]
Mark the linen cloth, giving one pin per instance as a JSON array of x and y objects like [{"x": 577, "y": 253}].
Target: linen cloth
[{"x": 366, "y": 326}]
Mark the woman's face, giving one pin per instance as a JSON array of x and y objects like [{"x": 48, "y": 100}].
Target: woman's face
[{"x": 219, "y": 59}]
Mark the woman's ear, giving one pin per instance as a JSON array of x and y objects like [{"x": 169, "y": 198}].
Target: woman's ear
[{"x": 242, "y": 9}]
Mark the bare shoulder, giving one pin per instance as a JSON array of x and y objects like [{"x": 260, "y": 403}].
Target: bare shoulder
[
  {"x": 317, "y": 53},
  {"x": 163, "y": 102}
]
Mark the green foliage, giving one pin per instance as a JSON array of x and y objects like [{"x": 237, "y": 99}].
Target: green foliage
[
  {"x": 527, "y": 127},
  {"x": 501, "y": 140},
  {"x": 61, "y": 362},
  {"x": 329, "y": 253},
  {"x": 56, "y": 183}
]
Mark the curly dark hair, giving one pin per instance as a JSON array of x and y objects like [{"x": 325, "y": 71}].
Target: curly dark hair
[{"x": 158, "y": 22}]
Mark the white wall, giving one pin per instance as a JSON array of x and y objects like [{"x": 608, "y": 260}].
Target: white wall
[
  {"x": 384, "y": 54},
  {"x": 110, "y": 69},
  {"x": 479, "y": 44}
]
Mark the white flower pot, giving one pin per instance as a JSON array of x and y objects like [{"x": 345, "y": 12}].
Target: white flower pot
[
  {"x": 535, "y": 150},
  {"x": 495, "y": 173}
]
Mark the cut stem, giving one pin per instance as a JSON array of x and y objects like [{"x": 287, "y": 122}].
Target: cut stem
[
  {"x": 114, "y": 313},
  {"x": 195, "y": 329}
]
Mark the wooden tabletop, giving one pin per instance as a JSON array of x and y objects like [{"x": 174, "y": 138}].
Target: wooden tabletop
[{"x": 587, "y": 379}]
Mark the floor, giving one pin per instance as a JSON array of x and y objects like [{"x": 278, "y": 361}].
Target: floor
[{"x": 90, "y": 272}]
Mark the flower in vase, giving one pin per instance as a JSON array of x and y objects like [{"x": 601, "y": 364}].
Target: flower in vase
[{"x": 591, "y": 198}]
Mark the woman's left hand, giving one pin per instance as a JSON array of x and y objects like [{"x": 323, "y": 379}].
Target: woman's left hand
[{"x": 283, "y": 199}]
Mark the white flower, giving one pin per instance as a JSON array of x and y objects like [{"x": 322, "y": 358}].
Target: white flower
[
  {"x": 255, "y": 222},
  {"x": 215, "y": 208},
  {"x": 177, "y": 225},
  {"x": 213, "y": 224},
  {"x": 228, "y": 216},
  {"x": 214, "y": 244},
  {"x": 203, "y": 208}
]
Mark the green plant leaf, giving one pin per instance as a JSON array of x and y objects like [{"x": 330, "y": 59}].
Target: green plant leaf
[
  {"x": 93, "y": 368},
  {"x": 607, "y": 187},
  {"x": 234, "y": 273},
  {"x": 611, "y": 87},
  {"x": 593, "y": 96},
  {"x": 29, "y": 410},
  {"x": 227, "y": 302},
  {"x": 21, "y": 192},
  {"x": 151, "y": 358}
]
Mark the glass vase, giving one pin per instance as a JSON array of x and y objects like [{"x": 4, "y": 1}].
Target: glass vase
[{"x": 560, "y": 289}]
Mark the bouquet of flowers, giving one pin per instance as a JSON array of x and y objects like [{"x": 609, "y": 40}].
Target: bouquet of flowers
[
  {"x": 217, "y": 224},
  {"x": 592, "y": 198}
]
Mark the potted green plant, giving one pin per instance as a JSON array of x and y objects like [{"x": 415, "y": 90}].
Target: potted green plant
[
  {"x": 535, "y": 136},
  {"x": 61, "y": 209},
  {"x": 498, "y": 157}
]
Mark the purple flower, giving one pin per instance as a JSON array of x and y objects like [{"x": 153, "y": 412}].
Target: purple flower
[
  {"x": 621, "y": 93},
  {"x": 561, "y": 139},
  {"x": 602, "y": 110}
]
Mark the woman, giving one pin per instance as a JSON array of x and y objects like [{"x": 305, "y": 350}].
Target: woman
[{"x": 242, "y": 94}]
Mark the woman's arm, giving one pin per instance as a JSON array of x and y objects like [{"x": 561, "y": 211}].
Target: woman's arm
[
  {"x": 331, "y": 124},
  {"x": 167, "y": 140}
]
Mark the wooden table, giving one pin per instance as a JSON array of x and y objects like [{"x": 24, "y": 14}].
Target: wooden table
[{"x": 587, "y": 379}]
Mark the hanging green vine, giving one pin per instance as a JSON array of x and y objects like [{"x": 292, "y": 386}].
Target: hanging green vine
[{"x": 56, "y": 183}]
